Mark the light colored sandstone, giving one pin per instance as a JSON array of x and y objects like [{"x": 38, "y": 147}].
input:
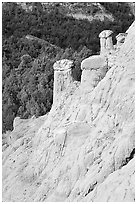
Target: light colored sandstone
[
  {"x": 94, "y": 69},
  {"x": 94, "y": 62},
  {"x": 97, "y": 163},
  {"x": 106, "y": 43},
  {"x": 120, "y": 39},
  {"x": 60, "y": 136},
  {"x": 16, "y": 122},
  {"x": 62, "y": 77}
]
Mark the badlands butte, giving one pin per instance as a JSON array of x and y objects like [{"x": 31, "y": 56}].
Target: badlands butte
[{"x": 83, "y": 149}]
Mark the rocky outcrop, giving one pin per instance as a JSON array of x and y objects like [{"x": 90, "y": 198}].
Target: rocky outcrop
[
  {"x": 94, "y": 69},
  {"x": 83, "y": 149},
  {"x": 62, "y": 77},
  {"x": 106, "y": 43},
  {"x": 120, "y": 39}
]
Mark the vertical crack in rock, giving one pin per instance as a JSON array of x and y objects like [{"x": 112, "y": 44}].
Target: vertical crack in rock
[{"x": 91, "y": 188}]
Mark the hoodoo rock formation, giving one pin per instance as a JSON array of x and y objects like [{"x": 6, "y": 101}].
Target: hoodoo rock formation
[
  {"x": 94, "y": 69},
  {"x": 62, "y": 76},
  {"x": 83, "y": 149},
  {"x": 106, "y": 41}
]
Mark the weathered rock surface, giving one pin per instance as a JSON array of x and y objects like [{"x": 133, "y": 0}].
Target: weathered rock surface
[
  {"x": 94, "y": 69},
  {"x": 62, "y": 77},
  {"x": 83, "y": 150},
  {"x": 106, "y": 41}
]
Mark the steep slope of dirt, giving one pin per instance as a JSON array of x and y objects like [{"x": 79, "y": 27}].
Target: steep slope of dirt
[{"x": 83, "y": 149}]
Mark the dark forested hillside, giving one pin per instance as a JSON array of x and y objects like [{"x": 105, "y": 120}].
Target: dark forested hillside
[{"x": 27, "y": 64}]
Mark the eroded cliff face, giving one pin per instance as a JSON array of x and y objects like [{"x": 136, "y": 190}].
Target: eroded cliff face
[{"x": 83, "y": 149}]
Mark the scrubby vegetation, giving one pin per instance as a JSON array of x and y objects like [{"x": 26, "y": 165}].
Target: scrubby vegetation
[{"x": 27, "y": 79}]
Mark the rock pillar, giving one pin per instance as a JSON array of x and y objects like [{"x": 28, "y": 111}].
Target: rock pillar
[
  {"x": 120, "y": 39},
  {"x": 106, "y": 43},
  {"x": 94, "y": 69},
  {"x": 62, "y": 76},
  {"x": 102, "y": 37}
]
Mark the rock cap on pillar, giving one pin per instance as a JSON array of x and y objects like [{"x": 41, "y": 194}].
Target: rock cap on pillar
[
  {"x": 94, "y": 62},
  {"x": 63, "y": 65},
  {"x": 105, "y": 34},
  {"x": 94, "y": 69}
]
